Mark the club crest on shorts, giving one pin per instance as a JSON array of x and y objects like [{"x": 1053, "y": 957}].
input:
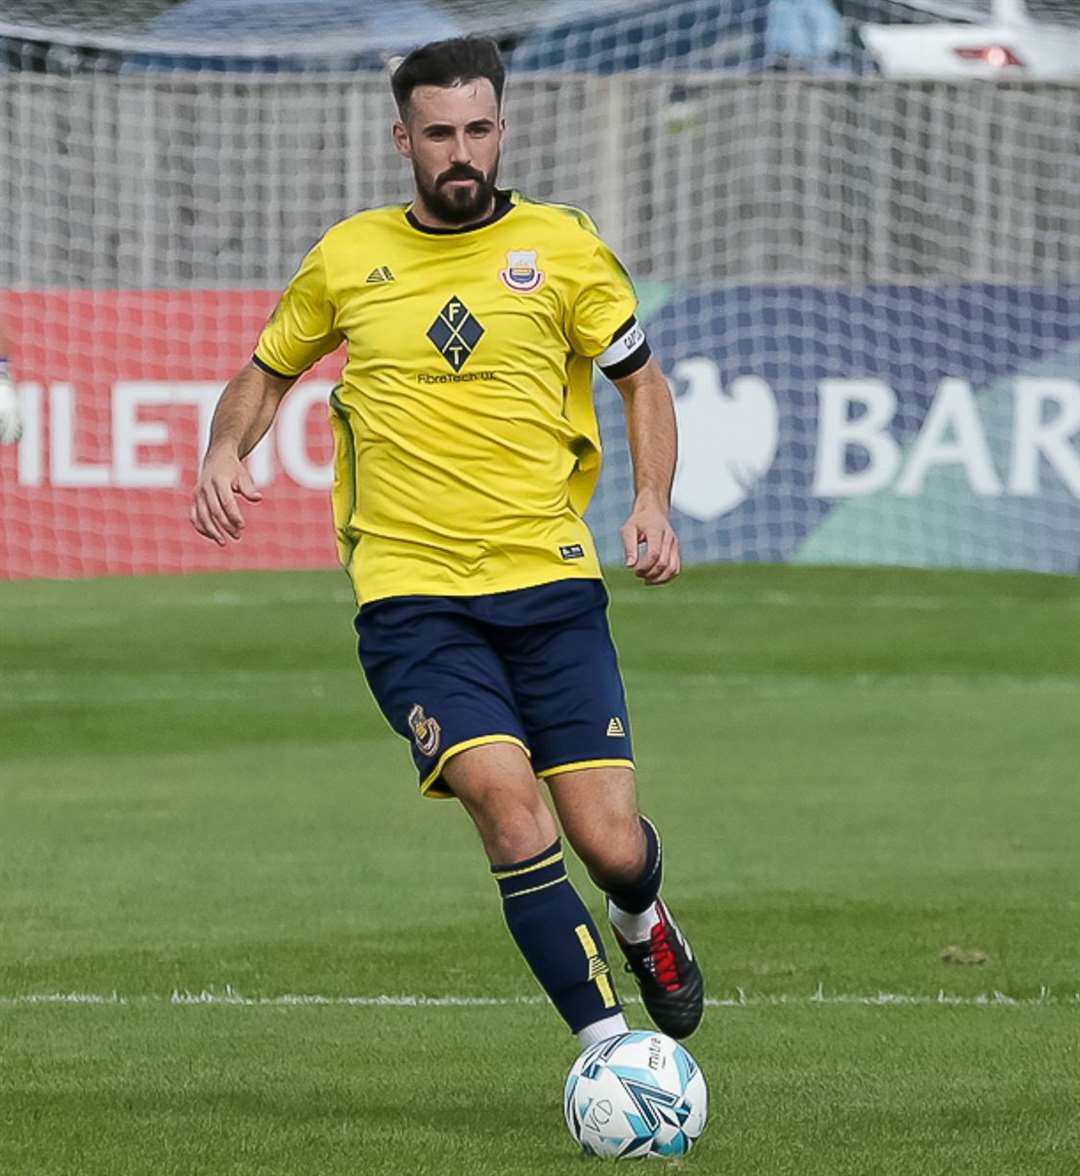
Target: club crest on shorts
[
  {"x": 521, "y": 274},
  {"x": 426, "y": 732}
]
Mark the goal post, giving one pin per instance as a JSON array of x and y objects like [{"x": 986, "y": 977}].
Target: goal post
[{"x": 865, "y": 292}]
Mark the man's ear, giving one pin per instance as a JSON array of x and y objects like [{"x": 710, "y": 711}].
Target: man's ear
[{"x": 400, "y": 134}]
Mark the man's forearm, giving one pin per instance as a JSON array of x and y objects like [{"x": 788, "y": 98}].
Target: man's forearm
[
  {"x": 651, "y": 433},
  {"x": 246, "y": 410}
]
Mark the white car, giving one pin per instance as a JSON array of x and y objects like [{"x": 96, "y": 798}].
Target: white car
[{"x": 999, "y": 39}]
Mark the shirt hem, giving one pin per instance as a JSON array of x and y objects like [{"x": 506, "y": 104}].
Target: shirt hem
[{"x": 468, "y": 589}]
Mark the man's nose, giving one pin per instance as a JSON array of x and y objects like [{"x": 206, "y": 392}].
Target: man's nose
[{"x": 459, "y": 150}]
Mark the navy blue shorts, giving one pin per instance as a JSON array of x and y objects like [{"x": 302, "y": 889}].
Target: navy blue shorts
[{"x": 535, "y": 667}]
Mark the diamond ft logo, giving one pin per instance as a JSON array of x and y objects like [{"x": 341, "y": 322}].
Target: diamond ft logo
[{"x": 455, "y": 333}]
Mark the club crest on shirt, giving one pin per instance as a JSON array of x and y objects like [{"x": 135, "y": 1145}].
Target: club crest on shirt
[
  {"x": 426, "y": 731},
  {"x": 521, "y": 274}
]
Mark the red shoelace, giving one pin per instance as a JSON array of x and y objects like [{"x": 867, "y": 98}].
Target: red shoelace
[{"x": 664, "y": 967}]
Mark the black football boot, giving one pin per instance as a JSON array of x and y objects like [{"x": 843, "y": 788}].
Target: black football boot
[{"x": 672, "y": 987}]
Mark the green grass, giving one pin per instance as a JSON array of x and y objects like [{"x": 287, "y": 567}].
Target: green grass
[{"x": 852, "y": 769}]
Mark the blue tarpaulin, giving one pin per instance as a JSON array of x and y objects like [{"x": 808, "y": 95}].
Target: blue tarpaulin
[
  {"x": 271, "y": 35},
  {"x": 708, "y": 35}
]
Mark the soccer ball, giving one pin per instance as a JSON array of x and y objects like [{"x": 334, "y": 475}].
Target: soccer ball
[{"x": 638, "y": 1094}]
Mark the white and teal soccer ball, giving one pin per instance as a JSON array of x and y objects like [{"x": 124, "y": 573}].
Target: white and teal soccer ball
[{"x": 638, "y": 1094}]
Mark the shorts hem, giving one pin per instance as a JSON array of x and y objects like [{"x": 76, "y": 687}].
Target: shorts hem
[
  {"x": 579, "y": 765},
  {"x": 429, "y": 784}
]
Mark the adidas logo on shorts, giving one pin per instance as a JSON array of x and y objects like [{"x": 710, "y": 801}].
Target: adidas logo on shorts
[{"x": 615, "y": 727}]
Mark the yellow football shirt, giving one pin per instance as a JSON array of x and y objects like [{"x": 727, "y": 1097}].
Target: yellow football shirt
[{"x": 466, "y": 442}]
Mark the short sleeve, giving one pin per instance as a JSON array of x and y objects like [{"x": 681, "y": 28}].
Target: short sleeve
[
  {"x": 301, "y": 329},
  {"x": 605, "y": 302}
]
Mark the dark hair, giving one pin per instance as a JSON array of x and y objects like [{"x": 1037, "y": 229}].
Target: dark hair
[{"x": 448, "y": 63}]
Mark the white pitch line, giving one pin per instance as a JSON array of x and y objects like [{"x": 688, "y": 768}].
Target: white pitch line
[{"x": 742, "y": 1000}]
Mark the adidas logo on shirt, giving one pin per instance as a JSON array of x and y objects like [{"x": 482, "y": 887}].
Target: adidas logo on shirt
[
  {"x": 615, "y": 728},
  {"x": 381, "y": 273}
]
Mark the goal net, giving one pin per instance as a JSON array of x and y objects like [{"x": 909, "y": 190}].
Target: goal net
[{"x": 865, "y": 291}]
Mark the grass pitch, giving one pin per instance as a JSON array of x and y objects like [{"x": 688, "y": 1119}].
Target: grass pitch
[{"x": 856, "y": 772}]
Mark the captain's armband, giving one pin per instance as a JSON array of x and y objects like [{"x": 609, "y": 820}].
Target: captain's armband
[{"x": 627, "y": 352}]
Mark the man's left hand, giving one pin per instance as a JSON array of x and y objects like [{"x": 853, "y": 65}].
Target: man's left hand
[{"x": 650, "y": 543}]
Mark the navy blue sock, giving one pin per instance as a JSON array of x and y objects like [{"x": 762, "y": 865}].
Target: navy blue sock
[
  {"x": 637, "y": 896},
  {"x": 556, "y": 935}
]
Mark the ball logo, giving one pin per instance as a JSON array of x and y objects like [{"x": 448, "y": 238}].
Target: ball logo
[
  {"x": 521, "y": 274},
  {"x": 600, "y": 1113},
  {"x": 727, "y": 438},
  {"x": 656, "y": 1053}
]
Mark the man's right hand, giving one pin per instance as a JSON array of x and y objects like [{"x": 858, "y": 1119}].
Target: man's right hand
[
  {"x": 215, "y": 511},
  {"x": 10, "y": 420}
]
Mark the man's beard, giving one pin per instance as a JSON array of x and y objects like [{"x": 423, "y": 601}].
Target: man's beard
[{"x": 458, "y": 206}]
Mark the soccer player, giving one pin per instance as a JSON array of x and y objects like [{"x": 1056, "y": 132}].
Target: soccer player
[
  {"x": 467, "y": 448},
  {"x": 10, "y": 420}
]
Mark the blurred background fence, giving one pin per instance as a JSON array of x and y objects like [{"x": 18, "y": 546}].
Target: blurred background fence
[{"x": 160, "y": 179}]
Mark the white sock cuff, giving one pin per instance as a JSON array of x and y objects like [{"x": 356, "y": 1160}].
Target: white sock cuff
[
  {"x": 633, "y": 928},
  {"x": 603, "y": 1029}
]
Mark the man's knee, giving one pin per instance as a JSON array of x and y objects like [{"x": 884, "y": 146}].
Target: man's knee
[
  {"x": 598, "y": 810},
  {"x": 513, "y": 824},
  {"x": 616, "y": 857},
  {"x": 496, "y": 785}
]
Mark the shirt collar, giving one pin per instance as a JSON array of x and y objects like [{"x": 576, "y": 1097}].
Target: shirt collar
[{"x": 503, "y": 204}]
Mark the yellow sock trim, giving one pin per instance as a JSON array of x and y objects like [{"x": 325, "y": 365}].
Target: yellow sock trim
[
  {"x": 548, "y": 861},
  {"x": 534, "y": 889},
  {"x": 598, "y": 970}
]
